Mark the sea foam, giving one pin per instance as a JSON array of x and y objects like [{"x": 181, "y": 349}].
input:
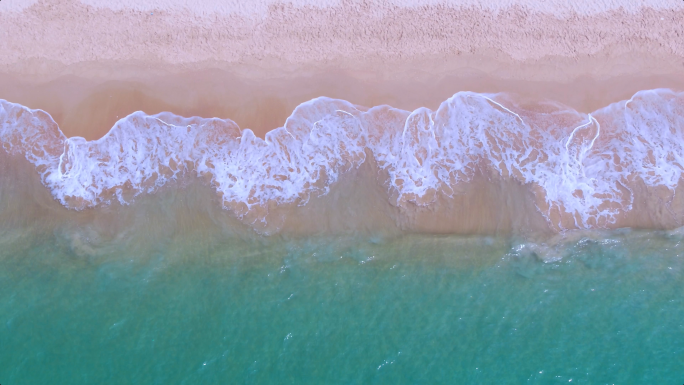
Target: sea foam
[{"x": 581, "y": 167}]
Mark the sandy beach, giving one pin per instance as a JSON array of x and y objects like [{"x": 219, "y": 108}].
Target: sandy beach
[{"x": 89, "y": 63}]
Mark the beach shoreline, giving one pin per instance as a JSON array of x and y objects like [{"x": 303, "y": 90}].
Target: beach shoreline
[
  {"x": 89, "y": 63},
  {"x": 90, "y": 106},
  {"x": 256, "y": 68}
]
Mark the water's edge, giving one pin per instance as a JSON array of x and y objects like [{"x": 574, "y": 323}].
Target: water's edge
[{"x": 554, "y": 167}]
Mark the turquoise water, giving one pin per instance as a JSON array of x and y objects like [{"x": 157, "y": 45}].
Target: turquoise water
[{"x": 349, "y": 310}]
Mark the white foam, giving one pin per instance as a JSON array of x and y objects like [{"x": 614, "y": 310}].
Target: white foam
[{"x": 580, "y": 166}]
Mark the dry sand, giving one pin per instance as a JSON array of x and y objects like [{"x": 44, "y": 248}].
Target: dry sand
[{"x": 374, "y": 36}]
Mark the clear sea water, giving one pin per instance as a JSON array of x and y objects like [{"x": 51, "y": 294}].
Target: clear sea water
[{"x": 414, "y": 309}]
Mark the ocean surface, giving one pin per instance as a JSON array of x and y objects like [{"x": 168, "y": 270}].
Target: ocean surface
[
  {"x": 490, "y": 241},
  {"x": 358, "y": 310}
]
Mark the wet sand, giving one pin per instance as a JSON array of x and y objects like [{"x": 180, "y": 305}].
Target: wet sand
[{"x": 89, "y": 107}]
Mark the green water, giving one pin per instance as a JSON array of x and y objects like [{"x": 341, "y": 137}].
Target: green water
[{"x": 414, "y": 310}]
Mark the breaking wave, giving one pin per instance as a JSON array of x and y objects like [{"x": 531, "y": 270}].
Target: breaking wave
[{"x": 582, "y": 168}]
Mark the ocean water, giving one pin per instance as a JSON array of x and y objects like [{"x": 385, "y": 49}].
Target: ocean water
[
  {"x": 489, "y": 241},
  {"x": 348, "y": 310}
]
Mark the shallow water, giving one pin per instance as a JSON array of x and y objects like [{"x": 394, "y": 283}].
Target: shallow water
[
  {"x": 411, "y": 309},
  {"x": 619, "y": 166}
]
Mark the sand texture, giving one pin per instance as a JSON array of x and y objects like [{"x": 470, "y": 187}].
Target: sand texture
[{"x": 383, "y": 36}]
